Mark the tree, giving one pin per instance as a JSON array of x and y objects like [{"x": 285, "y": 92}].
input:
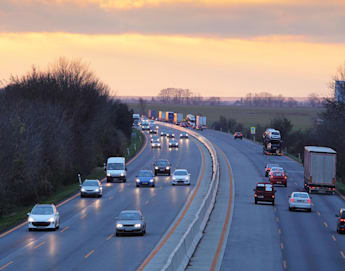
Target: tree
[{"x": 142, "y": 106}]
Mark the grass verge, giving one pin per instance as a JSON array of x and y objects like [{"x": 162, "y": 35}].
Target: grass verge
[{"x": 19, "y": 215}]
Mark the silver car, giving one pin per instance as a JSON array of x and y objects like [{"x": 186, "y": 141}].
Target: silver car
[
  {"x": 155, "y": 143},
  {"x": 184, "y": 135},
  {"x": 181, "y": 176},
  {"x": 300, "y": 200},
  {"x": 44, "y": 216},
  {"x": 130, "y": 222},
  {"x": 91, "y": 188}
]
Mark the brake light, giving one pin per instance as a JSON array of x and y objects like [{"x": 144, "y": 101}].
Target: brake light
[
  {"x": 255, "y": 195},
  {"x": 272, "y": 196},
  {"x": 309, "y": 201},
  {"x": 285, "y": 177},
  {"x": 342, "y": 220},
  {"x": 292, "y": 200}
]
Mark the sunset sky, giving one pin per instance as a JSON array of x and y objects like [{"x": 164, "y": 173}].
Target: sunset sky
[{"x": 214, "y": 47}]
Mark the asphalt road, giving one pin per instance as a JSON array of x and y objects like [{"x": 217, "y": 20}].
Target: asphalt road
[
  {"x": 86, "y": 238},
  {"x": 266, "y": 237}
]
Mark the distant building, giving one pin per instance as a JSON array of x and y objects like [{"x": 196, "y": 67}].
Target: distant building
[{"x": 340, "y": 91}]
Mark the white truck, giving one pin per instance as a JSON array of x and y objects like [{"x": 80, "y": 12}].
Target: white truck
[
  {"x": 116, "y": 169},
  {"x": 200, "y": 122},
  {"x": 319, "y": 169}
]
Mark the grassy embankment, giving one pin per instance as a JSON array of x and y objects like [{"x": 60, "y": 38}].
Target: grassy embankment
[
  {"x": 301, "y": 118},
  {"x": 64, "y": 192}
]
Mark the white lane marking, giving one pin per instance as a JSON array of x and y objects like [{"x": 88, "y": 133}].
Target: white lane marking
[
  {"x": 90, "y": 253},
  {"x": 40, "y": 244},
  {"x": 65, "y": 229},
  {"x": 5, "y": 265}
]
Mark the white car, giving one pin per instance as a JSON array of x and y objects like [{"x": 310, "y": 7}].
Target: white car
[
  {"x": 300, "y": 200},
  {"x": 184, "y": 135},
  {"x": 44, "y": 216},
  {"x": 91, "y": 188},
  {"x": 173, "y": 143},
  {"x": 156, "y": 143},
  {"x": 181, "y": 176}
]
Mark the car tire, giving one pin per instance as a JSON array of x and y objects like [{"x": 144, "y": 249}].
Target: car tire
[
  {"x": 137, "y": 185},
  {"x": 290, "y": 209},
  {"x": 309, "y": 210},
  {"x": 266, "y": 174},
  {"x": 124, "y": 180},
  {"x": 30, "y": 229},
  {"x": 117, "y": 234},
  {"x": 173, "y": 184},
  {"x": 256, "y": 202},
  {"x": 273, "y": 203},
  {"x": 100, "y": 195},
  {"x": 337, "y": 230},
  {"x": 153, "y": 185},
  {"x": 81, "y": 195},
  {"x": 286, "y": 185}
]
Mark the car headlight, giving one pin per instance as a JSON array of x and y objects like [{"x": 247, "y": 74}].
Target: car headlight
[
  {"x": 118, "y": 225},
  {"x": 187, "y": 178},
  {"x": 30, "y": 219},
  {"x": 137, "y": 225},
  {"x": 156, "y": 167},
  {"x": 97, "y": 189},
  {"x": 167, "y": 167},
  {"x": 83, "y": 190},
  {"x": 122, "y": 174},
  {"x": 108, "y": 174},
  {"x": 51, "y": 219},
  {"x": 151, "y": 180},
  {"x": 174, "y": 178},
  {"x": 137, "y": 180}
]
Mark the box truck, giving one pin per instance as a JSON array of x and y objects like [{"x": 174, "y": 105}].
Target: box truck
[
  {"x": 178, "y": 117},
  {"x": 319, "y": 169},
  {"x": 169, "y": 117}
]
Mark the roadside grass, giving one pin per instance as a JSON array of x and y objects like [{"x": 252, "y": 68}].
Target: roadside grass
[
  {"x": 340, "y": 186},
  {"x": 301, "y": 117},
  {"x": 19, "y": 215}
]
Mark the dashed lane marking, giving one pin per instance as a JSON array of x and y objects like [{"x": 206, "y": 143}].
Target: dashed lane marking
[
  {"x": 83, "y": 216},
  {"x": 277, "y": 218},
  {"x": 275, "y": 209},
  {"x": 147, "y": 202},
  {"x": 284, "y": 264},
  {"x": 5, "y": 265},
  {"x": 111, "y": 197},
  {"x": 110, "y": 236},
  {"x": 65, "y": 229},
  {"x": 318, "y": 213},
  {"x": 281, "y": 245},
  {"x": 279, "y": 231},
  {"x": 40, "y": 244},
  {"x": 333, "y": 237},
  {"x": 342, "y": 254},
  {"x": 89, "y": 254},
  {"x": 325, "y": 224}
]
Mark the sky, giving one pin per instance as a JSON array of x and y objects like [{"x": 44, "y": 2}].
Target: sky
[{"x": 225, "y": 48}]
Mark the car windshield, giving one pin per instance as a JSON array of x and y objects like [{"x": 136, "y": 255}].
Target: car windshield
[
  {"x": 162, "y": 163},
  {"x": 116, "y": 166},
  {"x": 42, "y": 210},
  {"x": 276, "y": 169},
  {"x": 264, "y": 187},
  {"x": 301, "y": 195},
  {"x": 155, "y": 140},
  {"x": 180, "y": 172},
  {"x": 145, "y": 173},
  {"x": 272, "y": 165},
  {"x": 90, "y": 183},
  {"x": 130, "y": 216}
]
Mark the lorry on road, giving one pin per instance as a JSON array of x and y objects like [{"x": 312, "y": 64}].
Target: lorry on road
[
  {"x": 272, "y": 142},
  {"x": 200, "y": 122},
  {"x": 178, "y": 117},
  {"x": 190, "y": 120},
  {"x": 161, "y": 115},
  {"x": 169, "y": 117},
  {"x": 319, "y": 169},
  {"x": 152, "y": 114}
]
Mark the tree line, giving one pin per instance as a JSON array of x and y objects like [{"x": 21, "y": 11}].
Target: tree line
[{"x": 54, "y": 124}]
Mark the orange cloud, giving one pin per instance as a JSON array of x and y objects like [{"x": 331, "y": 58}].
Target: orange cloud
[{"x": 135, "y": 64}]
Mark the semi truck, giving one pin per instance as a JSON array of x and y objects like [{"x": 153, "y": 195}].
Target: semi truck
[
  {"x": 271, "y": 142},
  {"x": 200, "y": 122},
  {"x": 319, "y": 169},
  {"x": 169, "y": 117},
  {"x": 152, "y": 114},
  {"x": 161, "y": 115},
  {"x": 190, "y": 120},
  {"x": 178, "y": 117}
]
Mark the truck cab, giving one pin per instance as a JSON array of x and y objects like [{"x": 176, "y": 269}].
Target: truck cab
[
  {"x": 116, "y": 169},
  {"x": 264, "y": 192}
]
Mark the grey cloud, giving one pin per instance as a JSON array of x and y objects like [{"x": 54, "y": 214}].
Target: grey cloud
[{"x": 316, "y": 22}]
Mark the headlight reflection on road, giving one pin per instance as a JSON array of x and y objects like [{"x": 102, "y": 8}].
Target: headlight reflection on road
[{"x": 52, "y": 245}]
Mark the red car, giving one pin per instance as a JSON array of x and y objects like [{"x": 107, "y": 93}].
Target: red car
[
  {"x": 264, "y": 192},
  {"x": 238, "y": 135},
  {"x": 278, "y": 176}
]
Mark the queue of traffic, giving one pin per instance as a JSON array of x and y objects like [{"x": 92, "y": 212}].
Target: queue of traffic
[{"x": 46, "y": 216}]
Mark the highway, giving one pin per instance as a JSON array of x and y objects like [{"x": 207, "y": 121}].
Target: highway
[
  {"x": 86, "y": 241},
  {"x": 266, "y": 237}
]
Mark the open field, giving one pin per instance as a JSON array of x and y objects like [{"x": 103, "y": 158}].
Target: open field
[{"x": 301, "y": 118}]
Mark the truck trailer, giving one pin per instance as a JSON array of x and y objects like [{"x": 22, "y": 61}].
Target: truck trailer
[
  {"x": 152, "y": 114},
  {"x": 178, "y": 117},
  {"x": 169, "y": 117},
  {"x": 200, "y": 122},
  {"x": 319, "y": 169}
]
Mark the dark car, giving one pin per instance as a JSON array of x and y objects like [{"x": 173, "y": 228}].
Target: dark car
[
  {"x": 268, "y": 168},
  {"x": 238, "y": 135},
  {"x": 163, "y": 133},
  {"x": 162, "y": 167},
  {"x": 170, "y": 135},
  {"x": 173, "y": 143},
  {"x": 278, "y": 176},
  {"x": 264, "y": 192},
  {"x": 184, "y": 135},
  {"x": 153, "y": 130},
  {"x": 145, "y": 178},
  {"x": 341, "y": 221}
]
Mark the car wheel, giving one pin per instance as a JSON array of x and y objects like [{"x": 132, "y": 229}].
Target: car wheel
[
  {"x": 100, "y": 195},
  {"x": 137, "y": 185},
  {"x": 309, "y": 210},
  {"x": 153, "y": 185},
  {"x": 256, "y": 202},
  {"x": 81, "y": 195},
  {"x": 117, "y": 234},
  {"x": 124, "y": 180},
  {"x": 30, "y": 229},
  {"x": 272, "y": 202},
  {"x": 337, "y": 230},
  {"x": 290, "y": 209},
  {"x": 266, "y": 175},
  {"x": 286, "y": 185},
  {"x": 173, "y": 184}
]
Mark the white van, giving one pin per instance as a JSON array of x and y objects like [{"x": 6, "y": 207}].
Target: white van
[{"x": 116, "y": 169}]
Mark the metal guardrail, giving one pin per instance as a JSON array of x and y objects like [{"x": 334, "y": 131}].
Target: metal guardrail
[{"x": 179, "y": 258}]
